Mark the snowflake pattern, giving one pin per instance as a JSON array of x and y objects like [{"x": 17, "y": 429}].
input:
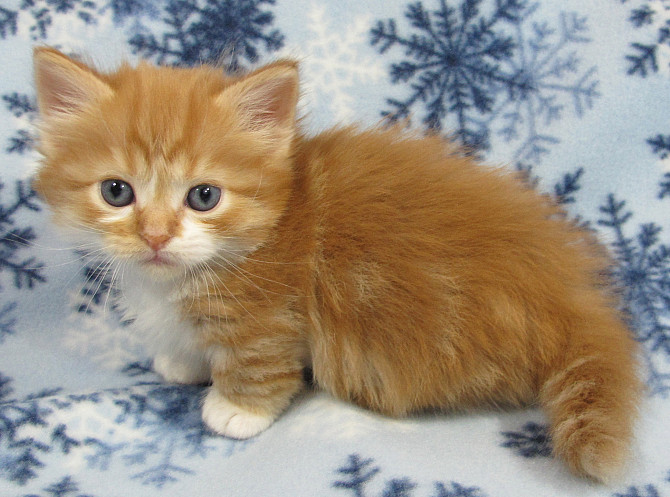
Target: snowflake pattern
[
  {"x": 453, "y": 64},
  {"x": 643, "y": 269},
  {"x": 508, "y": 77},
  {"x": 358, "y": 473},
  {"x": 532, "y": 441},
  {"x": 647, "y": 491},
  {"x": 653, "y": 55},
  {"x": 545, "y": 60},
  {"x": 156, "y": 432},
  {"x": 228, "y": 31},
  {"x": 24, "y": 110},
  {"x": 467, "y": 64},
  {"x": 98, "y": 329},
  {"x": 27, "y": 271}
]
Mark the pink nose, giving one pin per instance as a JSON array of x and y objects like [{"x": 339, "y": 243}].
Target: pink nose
[{"x": 156, "y": 241}]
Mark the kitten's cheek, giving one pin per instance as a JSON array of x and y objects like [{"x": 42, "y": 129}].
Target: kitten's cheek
[{"x": 229, "y": 420}]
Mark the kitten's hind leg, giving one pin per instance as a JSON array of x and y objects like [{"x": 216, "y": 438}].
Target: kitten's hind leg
[{"x": 591, "y": 400}]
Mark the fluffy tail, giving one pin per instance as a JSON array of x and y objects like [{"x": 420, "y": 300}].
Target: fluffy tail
[{"x": 592, "y": 400}]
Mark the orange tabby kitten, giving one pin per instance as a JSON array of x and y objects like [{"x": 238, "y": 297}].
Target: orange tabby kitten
[{"x": 405, "y": 275}]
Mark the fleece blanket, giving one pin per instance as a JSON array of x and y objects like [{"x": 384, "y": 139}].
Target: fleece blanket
[{"x": 575, "y": 94}]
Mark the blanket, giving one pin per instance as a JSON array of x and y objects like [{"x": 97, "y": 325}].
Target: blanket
[{"x": 574, "y": 94}]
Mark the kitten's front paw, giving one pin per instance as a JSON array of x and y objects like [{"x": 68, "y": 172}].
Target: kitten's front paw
[
  {"x": 227, "y": 419},
  {"x": 181, "y": 370}
]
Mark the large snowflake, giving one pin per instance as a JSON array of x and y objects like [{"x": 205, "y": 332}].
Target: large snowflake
[
  {"x": 545, "y": 60},
  {"x": 199, "y": 31},
  {"x": 453, "y": 64},
  {"x": 332, "y": 64},
  {"x": 643, "y": 269},
  {"x": 474, "y": 66}
]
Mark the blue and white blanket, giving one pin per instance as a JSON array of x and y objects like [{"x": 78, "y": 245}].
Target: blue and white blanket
[{"x": 576, "y": 93}]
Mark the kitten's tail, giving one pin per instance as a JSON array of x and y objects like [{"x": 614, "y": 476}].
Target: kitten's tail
[{"x": 592, "y": 400}]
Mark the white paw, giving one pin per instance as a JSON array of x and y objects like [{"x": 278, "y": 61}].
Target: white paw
[
  {"x": 227, "y": 419},
  {"x": 181, "y": 369}
]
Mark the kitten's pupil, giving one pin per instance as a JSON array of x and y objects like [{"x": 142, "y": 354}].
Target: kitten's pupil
[
  {"x": 203, "y": 197},
  {"x": 116, "y": 192}
]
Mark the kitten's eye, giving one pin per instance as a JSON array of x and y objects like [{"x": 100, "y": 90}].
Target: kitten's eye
[
  {"x": 116, "y": 192},
  {"x": 203, "y": 197}
]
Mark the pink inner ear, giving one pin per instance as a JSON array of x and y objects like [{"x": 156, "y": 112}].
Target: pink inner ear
[{"x": 270, "y": 103}]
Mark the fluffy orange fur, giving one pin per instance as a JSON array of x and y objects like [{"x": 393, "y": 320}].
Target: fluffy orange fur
[{"x": 406, "y": 275}]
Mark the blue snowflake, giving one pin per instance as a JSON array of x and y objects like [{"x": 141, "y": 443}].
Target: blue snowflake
[
  {"x": 26, "y": 271},
  {"x": 167, "y": 415},
  {"x": 21, "y": 105},
  {"x": 488, "y": 69},
  {"x": 98, "y": 290},
  {"x": 643, "y": 270},
  {"x": 648, "y": 491},
  {"x": 532, "y": 441},
  {"x": 644, "y": 60},
  {"x": 206, "y": 30},
  {"x": 549, "y": 80},
  {"x": 457, "y": 490},
  {"x": 453, "y": 64},
  {"x": 359, "y": 472},
  {"x": 8, "y": 22},
  {"x": 66, "y": 487},
  {"x": 19, "y": 454},
  {"x": 42, "y": 13},
  {"x": 660, "y": 145}
]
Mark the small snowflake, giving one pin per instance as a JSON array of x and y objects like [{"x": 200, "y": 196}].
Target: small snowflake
[
  {"x": 532, "y": 441},
  {"x": 660, "y": 145},
  {"x": 24, "y": 110},
  {"x": 332, "y": 64},
  {"x": 653, "y": 55},
  {"x": 13, "y": 240}
]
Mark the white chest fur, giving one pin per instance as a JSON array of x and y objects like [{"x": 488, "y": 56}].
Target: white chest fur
[{"x": 170, "y": 339}]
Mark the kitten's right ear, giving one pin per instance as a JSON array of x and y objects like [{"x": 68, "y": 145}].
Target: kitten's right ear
[{"x": 65, "y": 86}]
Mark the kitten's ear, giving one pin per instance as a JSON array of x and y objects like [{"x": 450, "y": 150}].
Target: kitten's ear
[
  {"x": 266, "y": 100},
  {"x": 65, "y": 86}
]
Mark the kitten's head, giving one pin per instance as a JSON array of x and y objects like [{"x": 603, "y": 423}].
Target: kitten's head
[{"x": 162, "y": 167}]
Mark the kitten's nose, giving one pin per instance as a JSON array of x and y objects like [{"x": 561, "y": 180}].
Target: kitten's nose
[{"x": 156, "y": 240}]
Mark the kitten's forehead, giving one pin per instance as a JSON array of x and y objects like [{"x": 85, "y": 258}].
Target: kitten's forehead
[{"x": 171, "y": 115}]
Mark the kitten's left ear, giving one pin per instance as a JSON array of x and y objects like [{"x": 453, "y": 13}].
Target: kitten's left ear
[{"x": 265, "y": 101}]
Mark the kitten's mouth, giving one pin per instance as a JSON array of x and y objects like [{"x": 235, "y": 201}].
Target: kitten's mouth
[{"x": 159, "y": 260}]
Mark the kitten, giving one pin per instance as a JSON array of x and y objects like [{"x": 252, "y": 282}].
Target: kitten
[{"x": 404, "y": 274}]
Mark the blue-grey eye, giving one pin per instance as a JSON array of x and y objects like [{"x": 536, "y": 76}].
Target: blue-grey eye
[
  {"x": 203, "y": 197},
  {"x": 117, "y": 193}
]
